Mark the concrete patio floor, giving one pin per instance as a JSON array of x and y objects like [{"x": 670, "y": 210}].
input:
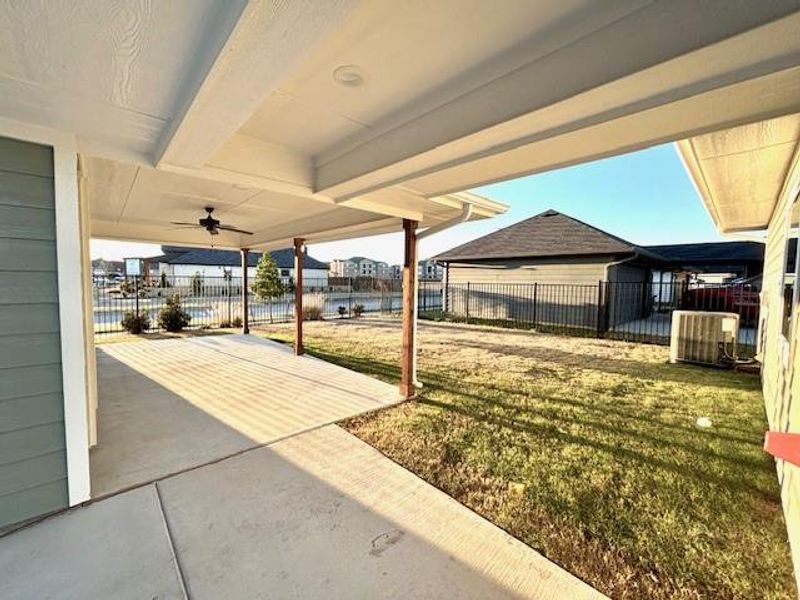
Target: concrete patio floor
[
  {"x": 317, "y": 515},
  {"x": 241, "y": 488},
  {"x": 168, "y": 405}
]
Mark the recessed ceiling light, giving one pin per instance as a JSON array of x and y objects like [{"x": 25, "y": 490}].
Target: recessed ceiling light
[{"x": 349, "y": 76}]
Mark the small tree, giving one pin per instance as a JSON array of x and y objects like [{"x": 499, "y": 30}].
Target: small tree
[
  {"x": 172, "y": 317},
  {"x": 267, "y": 284}
]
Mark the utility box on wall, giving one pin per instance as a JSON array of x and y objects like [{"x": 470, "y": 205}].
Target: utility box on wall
[{"x": 701, "y": 337}]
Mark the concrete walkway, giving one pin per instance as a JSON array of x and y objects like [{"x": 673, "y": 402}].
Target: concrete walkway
[
  {"x": 169, "y": 405},
  {"x": 318, "y": 515}
]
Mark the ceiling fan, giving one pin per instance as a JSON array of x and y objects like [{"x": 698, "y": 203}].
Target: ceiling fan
[{"x": 210, "y": 224}]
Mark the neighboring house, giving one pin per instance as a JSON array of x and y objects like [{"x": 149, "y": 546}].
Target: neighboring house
[
  {"x": 555, "y": 248},
  {"x": 180, "y": 261},
  {"x": 430, "y": 270},
  {"x": 102, "y": 267},
  {"x": 360, "y": 266}
]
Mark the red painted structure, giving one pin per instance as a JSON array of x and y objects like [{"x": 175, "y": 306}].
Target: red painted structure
[{"x": 785, "y": 446}]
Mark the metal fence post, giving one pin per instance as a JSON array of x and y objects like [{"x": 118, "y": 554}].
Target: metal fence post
[
  {"x": 600, "y": 311},
  {"x": 230, "y": 316},
  {"x": 136, "y": 293},
  {"x": 467, "y": 307},
  {"x": 349, "y": 296}
]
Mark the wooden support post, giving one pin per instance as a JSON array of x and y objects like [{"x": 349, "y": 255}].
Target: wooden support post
[
  {"x": 298, "y": 296},
  {"x": 245, "y": 307},
  {"x": 407, "y": 389}
]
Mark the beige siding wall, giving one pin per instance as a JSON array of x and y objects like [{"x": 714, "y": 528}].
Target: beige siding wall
[
  {"x": 579, "y": 271},
  {"x": 780, "y": 358},
  {"x": 566, "y": 293}
]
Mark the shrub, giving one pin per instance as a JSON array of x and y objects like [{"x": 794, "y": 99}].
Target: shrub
[
  {"x": 236, "y": 322},
  {"x": 358, "y": 310},
  {"x": 224, "y": 324},
  {"x": 136, "y": 324},
  {"x": 312, "y": 313},
  {"x": 172, "y": 317},
  {"x": 342, "y": 311}
]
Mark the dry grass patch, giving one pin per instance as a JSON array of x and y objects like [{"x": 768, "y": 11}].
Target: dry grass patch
[{"x": 588, "y": 451}]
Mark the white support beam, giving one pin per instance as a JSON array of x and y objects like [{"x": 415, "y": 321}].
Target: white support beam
[
  {"x": 267, "y": 42},
  {"x": 752, "y": 100},
  {"x": 718, "y": 43}
]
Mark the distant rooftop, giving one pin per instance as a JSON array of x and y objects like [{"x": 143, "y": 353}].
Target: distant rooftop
[{"x": 181, "y": 255}]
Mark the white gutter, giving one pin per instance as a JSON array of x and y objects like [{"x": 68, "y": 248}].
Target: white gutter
[{"x": 466, "y": 213}]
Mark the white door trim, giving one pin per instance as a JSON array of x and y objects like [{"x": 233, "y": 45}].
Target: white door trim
[{"x": 70, "y": 296}]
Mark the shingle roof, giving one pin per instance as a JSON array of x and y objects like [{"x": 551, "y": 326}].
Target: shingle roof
[
  {"x": 708, "y": 252},
  {"x": 552, "y": 234},
  {"x": 547, "y": 234},
  {"x": 178, "y": 255}
]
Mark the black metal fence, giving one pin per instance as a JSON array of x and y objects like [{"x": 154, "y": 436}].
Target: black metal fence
[
  {"x": 635, "y": 312},
  {"x": 629, "y": 311},
  {"x": 217, "y": 302}
]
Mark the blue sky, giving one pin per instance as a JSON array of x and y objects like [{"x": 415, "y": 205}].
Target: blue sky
[{"x": 645, "y": 197}]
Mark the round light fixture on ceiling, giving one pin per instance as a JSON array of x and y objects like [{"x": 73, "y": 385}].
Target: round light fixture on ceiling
[{"x": 349, "y": 76}]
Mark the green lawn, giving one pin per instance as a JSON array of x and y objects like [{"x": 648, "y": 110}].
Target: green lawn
[{"x": 587, "y": 450}]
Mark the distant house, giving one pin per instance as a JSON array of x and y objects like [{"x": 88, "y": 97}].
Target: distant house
[
  {"x": 360, "y": 266},
  {"x": 102, "y": 267},
  {"x": 552, "y": 247},
  {"x": 430, "y": 269},
  {"x": 180, "y": 261}
]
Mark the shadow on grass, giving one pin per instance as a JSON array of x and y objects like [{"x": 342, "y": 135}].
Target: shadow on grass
[{"x": 438, "y": 382}]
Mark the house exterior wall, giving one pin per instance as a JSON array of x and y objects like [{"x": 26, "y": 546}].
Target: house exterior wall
[
  {"x": 33, "y": 453},
  {"x": 780, "y": 359},
  {"x": 586, "y": 270},
  {"x": 562, "y": 281}
]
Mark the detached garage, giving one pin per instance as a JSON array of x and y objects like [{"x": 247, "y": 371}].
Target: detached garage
[{"x": 549, "y": 248}]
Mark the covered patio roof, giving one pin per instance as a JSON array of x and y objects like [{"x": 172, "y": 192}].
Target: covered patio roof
[
  {"x": 742, "y": 172},
  {"x": 334, "y": 120}
]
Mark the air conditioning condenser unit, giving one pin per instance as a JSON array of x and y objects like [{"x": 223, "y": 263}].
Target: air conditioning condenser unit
[{"x": 702, "y": 337}]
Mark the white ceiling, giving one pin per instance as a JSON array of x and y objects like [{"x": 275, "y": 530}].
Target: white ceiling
[{"x": 182, "y": 103}]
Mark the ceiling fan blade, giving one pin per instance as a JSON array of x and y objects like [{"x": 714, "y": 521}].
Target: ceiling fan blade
[
  {"x": 184, "y": 223},
  {"x": 234, "y": 229},
  {"x": 182, "y": 227}
]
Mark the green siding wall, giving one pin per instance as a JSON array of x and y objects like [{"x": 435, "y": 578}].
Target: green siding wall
[{"x": 33, "y": 467}]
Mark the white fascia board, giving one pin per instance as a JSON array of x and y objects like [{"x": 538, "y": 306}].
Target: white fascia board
[
  {"x": 688, "y": 155},
  {"x": 492, "y": 118},
  {"x": 70, "y": 297},
  {"x": 481, "y": 205}
]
